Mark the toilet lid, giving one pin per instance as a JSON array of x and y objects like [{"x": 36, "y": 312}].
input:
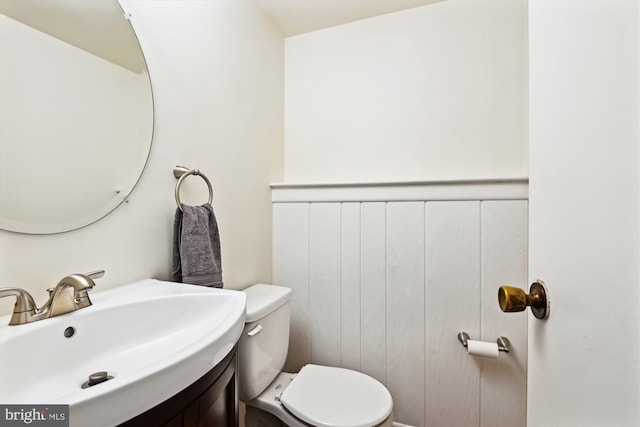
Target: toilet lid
[{"x": 335, "y": 397}]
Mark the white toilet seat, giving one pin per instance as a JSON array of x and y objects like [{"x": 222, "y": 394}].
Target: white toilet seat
[{"x": 326, "y": 396}]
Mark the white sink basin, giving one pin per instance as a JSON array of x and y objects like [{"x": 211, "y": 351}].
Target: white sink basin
[{"x": 155, "y": 338}]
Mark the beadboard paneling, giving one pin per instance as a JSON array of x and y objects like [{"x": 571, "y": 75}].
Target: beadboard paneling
[
  {"x": 385, "y": 287},
  {"x": 291, "y": 268},
  {"x": 325, "y": 283},
  {"x": 373, "y": 299},
  {"x": 504, "y": 261},
  {"x": 453, "y": 275},
  {"x": 350, "y": 268},
  {"x": 405, "y": 308}
]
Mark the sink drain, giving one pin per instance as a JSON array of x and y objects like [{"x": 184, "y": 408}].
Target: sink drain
[{"x": 97, "y": 378}]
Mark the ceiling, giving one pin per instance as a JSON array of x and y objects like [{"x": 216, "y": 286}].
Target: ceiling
[
  {"x": 98, "y": 26},
  {"x": 302, "y": 16}
]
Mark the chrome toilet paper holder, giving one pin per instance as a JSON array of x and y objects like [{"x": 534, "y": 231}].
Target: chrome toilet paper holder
[{"x": 503, "y": 342}]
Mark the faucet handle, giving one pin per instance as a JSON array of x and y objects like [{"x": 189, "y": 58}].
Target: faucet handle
[
  {"x": 25, "y": 307},
  {"x": 24, "y": 301},
  {"x": 95, "y": 274},
  {"x": 90, "y": 279}
]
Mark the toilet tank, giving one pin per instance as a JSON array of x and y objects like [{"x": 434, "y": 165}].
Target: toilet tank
[{"x": 264, "y": 343}]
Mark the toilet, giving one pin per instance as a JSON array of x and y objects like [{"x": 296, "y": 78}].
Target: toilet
[{"x": 319, "y": 396}]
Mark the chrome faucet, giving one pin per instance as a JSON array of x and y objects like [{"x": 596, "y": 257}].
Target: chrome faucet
[{"x": 70, "y": 294}]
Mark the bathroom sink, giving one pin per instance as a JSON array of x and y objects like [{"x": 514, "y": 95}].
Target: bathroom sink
[{"x": 155, "y": 338}]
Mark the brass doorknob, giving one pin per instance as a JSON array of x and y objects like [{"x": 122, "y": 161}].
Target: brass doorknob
[{"x": 513, "y": 299}]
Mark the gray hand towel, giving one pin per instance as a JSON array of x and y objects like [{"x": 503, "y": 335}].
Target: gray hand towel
[{"x": 196, "y": 247}]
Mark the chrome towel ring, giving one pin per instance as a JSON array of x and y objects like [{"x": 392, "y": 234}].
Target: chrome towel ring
[{"x": 180, "y": 172}]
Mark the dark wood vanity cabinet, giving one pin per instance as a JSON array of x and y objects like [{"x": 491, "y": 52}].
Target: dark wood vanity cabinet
[{"x": 211, "y": 401}]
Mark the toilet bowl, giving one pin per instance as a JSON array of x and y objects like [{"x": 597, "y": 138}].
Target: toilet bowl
[{"x": 319, "y": 396}]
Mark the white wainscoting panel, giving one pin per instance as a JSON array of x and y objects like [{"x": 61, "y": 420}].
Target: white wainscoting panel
[
  {"x": 324, "y": 283},
  {"x": 373, "y": 298},
  {"x": 350, "y": 269},
  {"x": 453, "y": 296},
  {"x": 504, "y": 262},
  {"x": 405, "y": 308},
  {"x": 291, "y": 225},
  {"x": 384, "y": 287}
]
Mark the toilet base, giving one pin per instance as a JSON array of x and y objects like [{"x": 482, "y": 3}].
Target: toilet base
[
  {"x": 267, "y": 411},
  {"x": 261, "y": 409}
]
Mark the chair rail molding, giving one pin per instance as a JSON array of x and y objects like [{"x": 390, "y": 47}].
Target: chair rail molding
[{"x": 462, "y": 189}]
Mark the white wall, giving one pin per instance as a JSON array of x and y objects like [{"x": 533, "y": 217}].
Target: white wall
[
  {"x": 438, "y": 91},
  {"x": 584, "y": 361},
  {"x": 217, "y": 74}
]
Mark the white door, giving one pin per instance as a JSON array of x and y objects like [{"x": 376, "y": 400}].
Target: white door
[{"x": 584, "y": 364}]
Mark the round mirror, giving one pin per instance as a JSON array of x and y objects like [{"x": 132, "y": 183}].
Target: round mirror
[{"x": 76, "y": 113}]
